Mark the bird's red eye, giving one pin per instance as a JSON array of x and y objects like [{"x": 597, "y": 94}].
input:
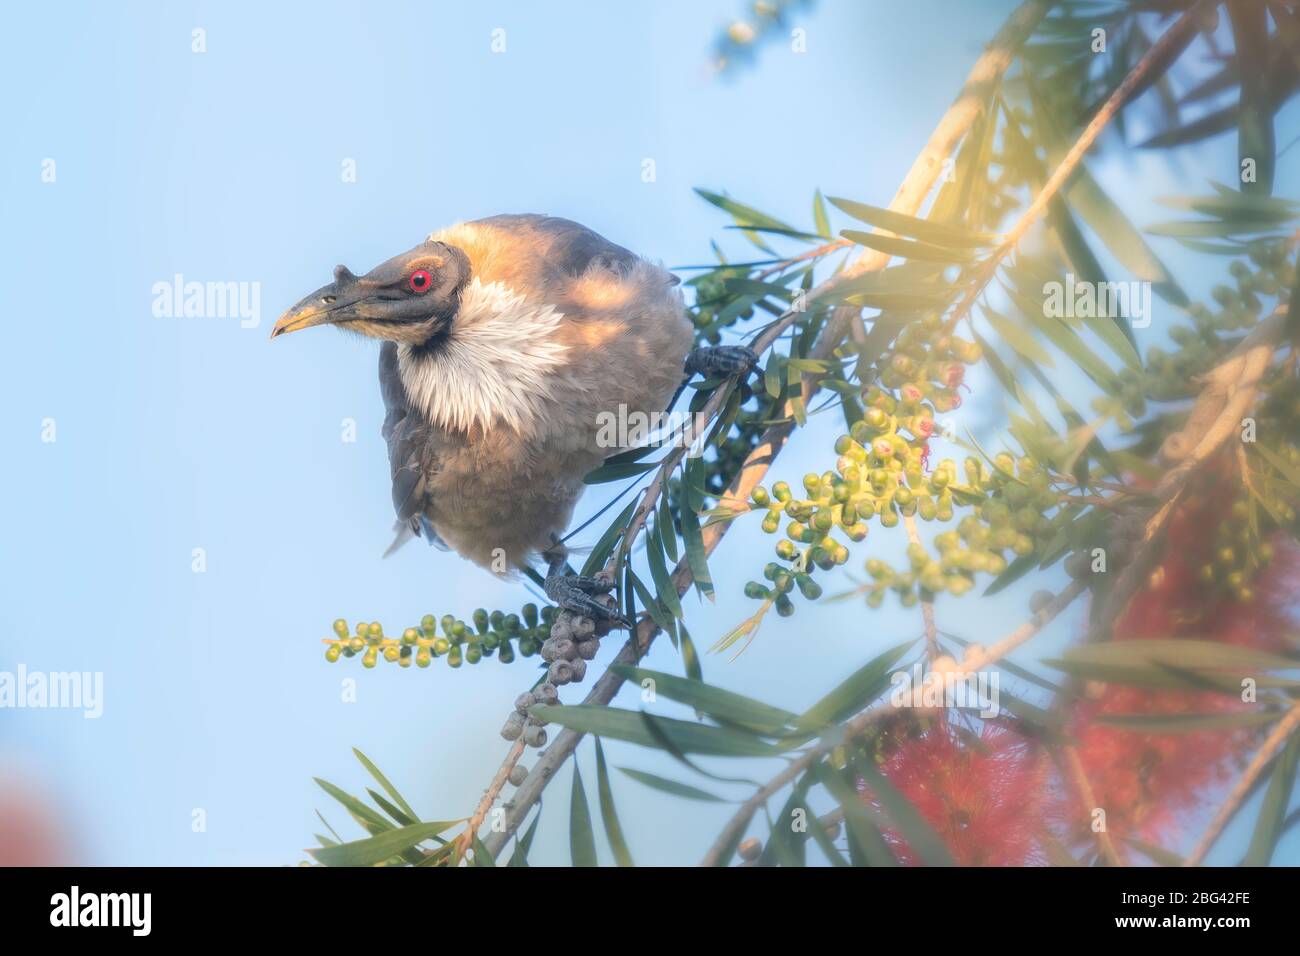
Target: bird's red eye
[{"x": 420, "y": 281}]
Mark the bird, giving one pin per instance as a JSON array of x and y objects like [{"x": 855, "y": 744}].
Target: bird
[{"x": 503, "y": 341}]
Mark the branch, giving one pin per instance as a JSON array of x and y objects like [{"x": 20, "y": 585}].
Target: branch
[
  {"x": 925, "y": 171},
  {"x": 1272, "y": 744},
  {"x": 927, "y": 607},
  {"x": 1157, "y": 57},
  {"x": 1229, "y": 392},
  {"x": 977, "y": 659},
  {"x": 466, "y": 839},
  {"x": 1089, "y": 799}
]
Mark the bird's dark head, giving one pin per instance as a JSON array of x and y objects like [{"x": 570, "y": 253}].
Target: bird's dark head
[{"x": 411, "y": 298}]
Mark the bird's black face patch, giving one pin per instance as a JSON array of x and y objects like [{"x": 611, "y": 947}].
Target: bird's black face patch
[{"x": 411, "y": 298}]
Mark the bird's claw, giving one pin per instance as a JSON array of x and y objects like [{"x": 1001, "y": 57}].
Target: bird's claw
[
  {"x": 721, "y": 361},
  {"x": 583, "y": 596}
]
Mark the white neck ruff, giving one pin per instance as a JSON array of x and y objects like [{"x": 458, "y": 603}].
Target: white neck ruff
[{"x": 493, "y": 367}]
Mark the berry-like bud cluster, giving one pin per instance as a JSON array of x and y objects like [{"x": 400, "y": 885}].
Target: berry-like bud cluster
[
  {"x": 1174, "y": 375},
  {"x": 1241, "y": 550},
  {"x": 573, "y": 642},
  {"x": 883, "y": 474},
  {"x": 486, "y": 635},
  {"x": 522, "y": 724}
]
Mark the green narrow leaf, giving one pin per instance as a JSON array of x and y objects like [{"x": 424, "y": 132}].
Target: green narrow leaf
[
  {"x": 1182, "y": 652},
  {"x": 605, "y": 545},
  {"x": 387, "y": 806},
  {"x": 794, "y": 379},
  {"x": 629, "y": 592},
  {"x": 630, "y": 725},
  {"x": 774, "y": 374},
  {"x": 1107, "y": 220},
  {"x": 690, "y": 657},
  {"x": 1017, "y": 569},
  {"x": 1186, "y": 723},
  {"x": 1268, "y": 825},
  {"x": 520, "y": 855},
  {"x": 666, "y": 527},
  {"x": 360, "y": 812},
  {"x": 904, "y": 225},
  {"x": 907, "y": 248},
  {"x": 664, "y": 741},
  {"x": 618, "y": 471},
  {"x": 744, "y": 215},
  {"x": 1255, "y": 136},
  {"x": 333, "y": 832},
  {"x": 671, "y": 786},
  {"x": 864, "y": 834},
  {"x": 994, "y": 360},
  {"x": 784, "y": 846},
  {"x": 608, "y": 814},
  {"x": 1018, "y": 337},
  {"x": 1211, "y": 228},
  {"x": 720, "y": 704},
  {"x": 696, "y": 557},
  {"x": 661, "y": 615},
  {"x": 1114, "y": 330},
  {"x": 1068, "y": 341},
  {"x": 482, "y": 855},
  {"x": 821, "y": 222},
  {"x": 667, "y": 593},
  {"x": 861, "y": 686},
  {"x": 377, "y": 849},
  {"x": 920, "y": 837},
  {"x": 693, "y": 478},
  {"x": 582, "y": 841},
  {"x": 388, "y": 787}
]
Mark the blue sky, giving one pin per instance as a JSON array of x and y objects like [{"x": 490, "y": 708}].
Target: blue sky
[{"x": 175, "y": 434}]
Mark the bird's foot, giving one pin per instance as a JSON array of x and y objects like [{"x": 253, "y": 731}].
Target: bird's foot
[
  {"x": 584, "y": 596},
  {"x": 721, "y": 361}
]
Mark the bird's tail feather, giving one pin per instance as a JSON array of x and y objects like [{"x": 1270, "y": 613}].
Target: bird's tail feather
[{"x": 402, "y": 533}]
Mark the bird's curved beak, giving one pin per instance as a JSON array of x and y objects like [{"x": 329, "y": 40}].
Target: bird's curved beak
[
  {"x": 328, "y": 304},
  {"x": 319, "y": 308}
]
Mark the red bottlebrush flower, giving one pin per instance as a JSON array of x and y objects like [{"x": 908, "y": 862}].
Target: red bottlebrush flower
[
  {"x": 29, "y": 832},
  {"x": 1149, "y": 783},
  {"x": 983, "y": 792}
]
